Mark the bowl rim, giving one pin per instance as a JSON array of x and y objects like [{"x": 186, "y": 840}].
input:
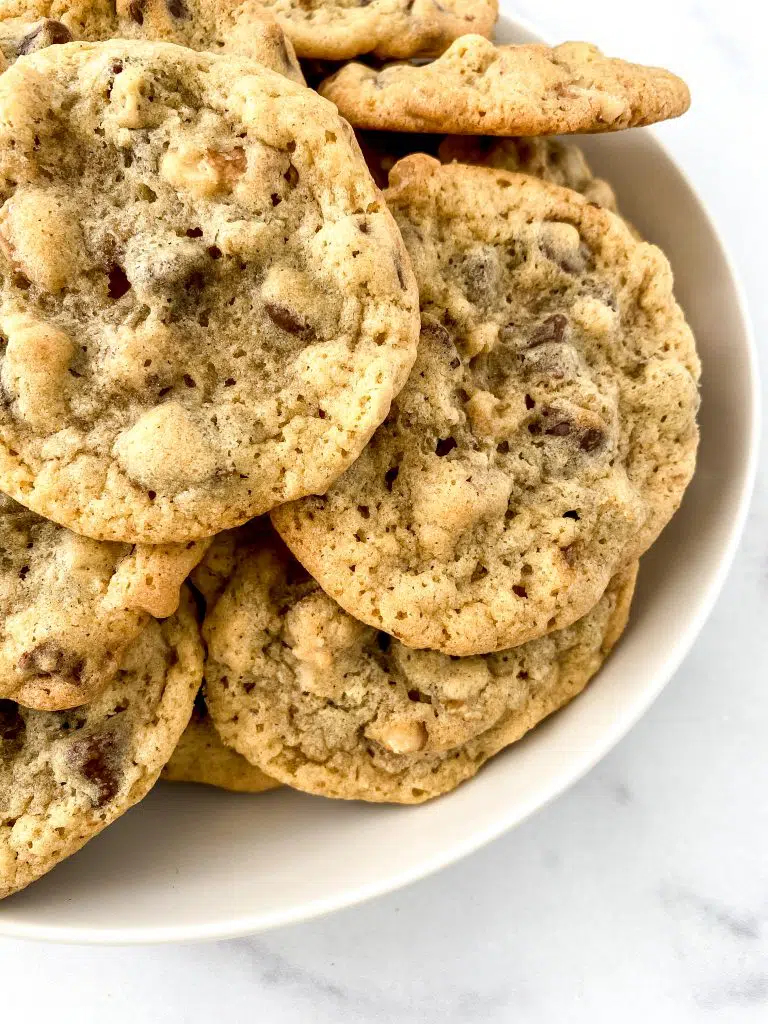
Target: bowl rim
[{"x": 253, "y": 922}]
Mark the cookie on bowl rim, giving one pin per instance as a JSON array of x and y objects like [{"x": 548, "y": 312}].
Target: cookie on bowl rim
[
  {"x": 241, "y": 27},
  {"x": 201, "y": 756},
  {"x": 70, "y": 606},
  {"x": 220, "y": 325},
  {"x": 66, "y": 775},
  {"x": 337, "y": 30},
  {"x": 545, "y": 436},
  {"x": 333, "y": 707},
  {"x": 479, "y": 88}
]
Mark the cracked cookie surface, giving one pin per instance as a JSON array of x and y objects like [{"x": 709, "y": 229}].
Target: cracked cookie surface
[
  {"x": 201, "y": 756},
  {"x": 545, "y": 436},
  {"x": 69, "y": 606},
  {"x": 241, "y": 27},
  {"x": 340, "y": 29},
  {"x": 205, "y": 305},
  {"x": 477, "y": 88},
  {"x": 331, "y": 706},
  {"x": 65, "y": 775}
]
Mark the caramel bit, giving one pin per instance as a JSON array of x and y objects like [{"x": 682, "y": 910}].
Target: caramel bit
[
  {"x": 403, "y": 737},
  {"x": 203, "y": 172}
]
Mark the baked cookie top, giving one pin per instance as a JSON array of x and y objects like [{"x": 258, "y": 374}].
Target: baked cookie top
[
  {"x": 477, "y": 88},
  {"x": 331, "y": 706},
  {"x": 561, "y": 163},
  {"x": 69, "y": 606},
  {"x": 200, "y": 756},
  {"x": 206, "y": 307},
  {"x": 241, "y": 27},
  {"x": 65, "y": 775},
  {"x": 545, "y": 436},
  {"x": 340, "y": 29}
]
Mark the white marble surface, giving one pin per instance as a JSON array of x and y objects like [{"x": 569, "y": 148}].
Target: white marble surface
[{"x": 642, "y": 893}]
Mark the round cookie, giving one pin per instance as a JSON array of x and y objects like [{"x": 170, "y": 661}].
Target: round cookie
[
  {"x": 561, "y": 163},
  {"x": 240, "y": 27},
  {"x": 65, "y": 775},
  {"x": 205, "y": 305},
  {"x": 69, "y": 606},
  {"x": 477, "y": 88},
  {"x": 325, "y": 704},
  {"x": 200, "y": 756},
  {"x": 340, "y": 29},
  {"x": 545, "y": 436}
]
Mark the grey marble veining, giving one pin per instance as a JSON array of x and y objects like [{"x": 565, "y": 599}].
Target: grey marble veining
[{"x": 642, "y": 893}]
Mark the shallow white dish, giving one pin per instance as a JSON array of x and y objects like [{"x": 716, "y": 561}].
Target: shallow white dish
[{"x": 193, "y": 863}]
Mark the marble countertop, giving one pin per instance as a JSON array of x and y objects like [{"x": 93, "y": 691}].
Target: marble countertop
[{"x": 642, "y": 893}]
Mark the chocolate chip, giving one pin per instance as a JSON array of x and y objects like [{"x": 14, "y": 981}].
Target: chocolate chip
[
  {"x": 94, "y": 758},
  {"x": 292, "y": 176},
  {"x": 119, "y": 285},
  {"x": 286, "y": 319},
  {"x": 390, "y": 476},
  {"x": 591, "y": 439},
  {"x": 571, "y": 514},
  {"x": 551, "y": 329},
  {"x": 47, "y": 659},
  {"x": 12, "y": 725},
  {"x": 177, "y": 8},
  {"x": 570, "y": 553},
  {"x": 480, "y": 276},
  {"x": 560, "y": 429},
  {"x": 445, "y": 445},
  {"x": 47, "y": 33},
  {"x": 519, "y": 590},
  {"x": 136, "y": 11}
]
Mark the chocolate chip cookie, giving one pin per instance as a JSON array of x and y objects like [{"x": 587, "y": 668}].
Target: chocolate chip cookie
[
  {"x": 545, "y": 436},
  {"x": 202, "y": 757},
  {"x": 65, "y": 775},
  {"x": 340, "y": 29},
  {"x": 553, "y": 160},
  {"x": 69, "y": 606},
  {"x": 205, "y": 306},
  {"x": 331, "y": 706},
  {"x": 241, "y": 27},
  {"x": 477, "y": 88}
]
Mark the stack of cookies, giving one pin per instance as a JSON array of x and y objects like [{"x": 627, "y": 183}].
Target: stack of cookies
[{"x": 303, "y": 482}]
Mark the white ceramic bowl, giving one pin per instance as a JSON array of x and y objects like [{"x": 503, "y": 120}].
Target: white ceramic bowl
[{"x": 193, "y": 863}]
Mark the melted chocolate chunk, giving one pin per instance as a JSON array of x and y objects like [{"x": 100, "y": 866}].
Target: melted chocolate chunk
[
  {"x": 286, "y": 319},
  {"x": 94, "y": 758},
  {"x": 553, "y": 329},
  {"x": 47, "y": 659},
  {"x": 47, "y": 33}
]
